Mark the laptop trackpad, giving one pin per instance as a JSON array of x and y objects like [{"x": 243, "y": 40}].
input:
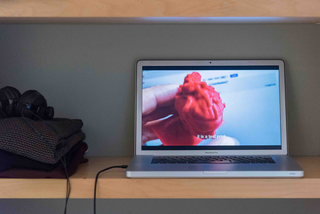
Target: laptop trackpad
[{"x": 210, "y": 168}]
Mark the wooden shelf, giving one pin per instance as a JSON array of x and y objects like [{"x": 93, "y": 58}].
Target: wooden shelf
[
  {"x": 167, "y": 11},
  {"x": 114, "y": 184}
]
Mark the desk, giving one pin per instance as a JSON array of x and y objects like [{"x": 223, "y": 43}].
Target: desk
[{"x": 114, "y": 184}]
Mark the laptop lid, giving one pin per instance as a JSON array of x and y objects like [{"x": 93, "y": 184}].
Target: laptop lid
[{"x": 210, "y": 107}]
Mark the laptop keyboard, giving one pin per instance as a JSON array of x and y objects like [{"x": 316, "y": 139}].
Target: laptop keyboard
[{"x": 212, "y": 160}]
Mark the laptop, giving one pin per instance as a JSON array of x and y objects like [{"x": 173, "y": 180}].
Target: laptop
[{"x": 211, "y": 118}]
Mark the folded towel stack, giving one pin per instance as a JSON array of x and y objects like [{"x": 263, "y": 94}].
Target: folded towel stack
[{"x": 32, "y": 149}]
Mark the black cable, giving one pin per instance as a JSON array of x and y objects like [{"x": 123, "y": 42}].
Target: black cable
[
  {"x": 63, "y": 159},
  {"x": 64, "y": 163},
  {"x": 38, "y": 133},
  {"x": 37, "y": 116},
  {"x": 96, "y": 181}
]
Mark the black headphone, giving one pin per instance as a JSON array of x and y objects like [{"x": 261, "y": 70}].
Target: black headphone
[
  {"x": 30, "y": 104},
  {"x": 9, "y": 98}
]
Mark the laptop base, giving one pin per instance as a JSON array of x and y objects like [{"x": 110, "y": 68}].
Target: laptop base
[{"x": 285, "y": 167}]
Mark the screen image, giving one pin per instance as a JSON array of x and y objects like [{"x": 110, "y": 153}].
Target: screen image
[{"x": 210, "y": 107}]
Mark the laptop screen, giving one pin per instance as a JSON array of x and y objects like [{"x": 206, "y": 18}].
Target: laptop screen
[{"x": 211, "y": 108}]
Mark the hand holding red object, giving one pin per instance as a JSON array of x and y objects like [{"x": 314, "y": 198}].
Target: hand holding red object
[
  {"x": 195, "y": 109},
  {"x": 158, "y": 102}
]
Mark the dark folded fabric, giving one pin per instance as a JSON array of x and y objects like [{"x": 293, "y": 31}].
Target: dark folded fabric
[
  {"x": 43, "y": 141},
  {"x": 6, "y": 160},
  {"x": 73, "y": 159},
  {"x": 9, "y": 160}
]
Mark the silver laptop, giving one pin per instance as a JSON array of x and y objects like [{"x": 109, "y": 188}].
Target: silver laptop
[{"x": 203, "y": 118}]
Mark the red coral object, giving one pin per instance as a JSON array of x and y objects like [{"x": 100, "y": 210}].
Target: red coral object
[{"x": 199, "y": 106}]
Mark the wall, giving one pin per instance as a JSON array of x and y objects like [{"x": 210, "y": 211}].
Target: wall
[{"x": 87, "y": 71}]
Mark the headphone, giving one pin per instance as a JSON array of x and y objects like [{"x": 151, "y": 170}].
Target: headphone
[{"x": 30, "y": 104}]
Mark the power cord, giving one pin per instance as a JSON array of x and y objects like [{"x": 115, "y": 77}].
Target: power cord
[
  {"x": 63, "y": 159},
  {"x": 96, "y": 181},
  {"x": 64, "y": 163},
  {"x": 51, "y": 147}
]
